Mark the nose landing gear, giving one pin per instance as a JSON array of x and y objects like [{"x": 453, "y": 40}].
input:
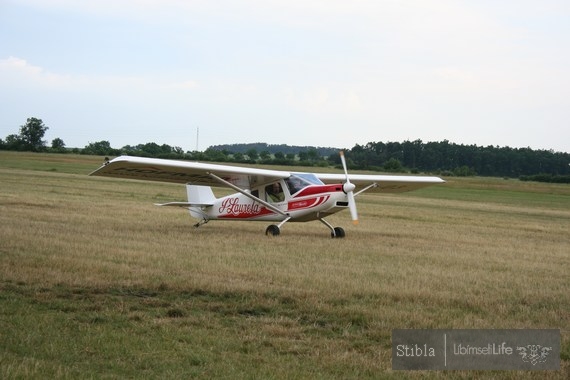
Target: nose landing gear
[{"x": 336, "y": 232}]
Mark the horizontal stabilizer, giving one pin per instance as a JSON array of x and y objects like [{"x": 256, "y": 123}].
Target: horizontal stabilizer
[{"x": 183, "y": 204}]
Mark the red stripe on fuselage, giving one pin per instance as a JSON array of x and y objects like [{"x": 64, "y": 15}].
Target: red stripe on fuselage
[
  {"x": 300, "y": 200},
  {"x": 307, "y": 203},
  {"x": 319, "y": 189}
]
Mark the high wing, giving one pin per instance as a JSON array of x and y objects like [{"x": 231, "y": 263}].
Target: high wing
[
  {"x": 196, "y": 173},
  {"x": 381, "y": 183}
]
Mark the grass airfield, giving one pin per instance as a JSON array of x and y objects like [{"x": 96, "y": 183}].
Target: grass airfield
[{"x": 97, "y": 282}]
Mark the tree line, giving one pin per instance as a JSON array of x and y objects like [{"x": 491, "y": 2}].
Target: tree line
[
  {"x": 443, "y": 158},
  {"x": 460, "y": 159},
  {"x": 274, "y": 148}
]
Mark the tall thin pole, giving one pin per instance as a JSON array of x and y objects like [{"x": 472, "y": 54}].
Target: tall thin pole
[{"x": 197, "y": 138}]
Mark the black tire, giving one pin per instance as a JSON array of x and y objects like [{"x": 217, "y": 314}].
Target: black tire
[
  {"x": 338, "y": 233},
  {"x": 272, "y": 230}
]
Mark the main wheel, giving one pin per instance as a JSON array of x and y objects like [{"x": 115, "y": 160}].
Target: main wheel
[
  {"x": 338, "y": 233},
  {"x": 272, "y": 230}
]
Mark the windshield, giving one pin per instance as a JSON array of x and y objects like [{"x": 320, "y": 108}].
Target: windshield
[
  {"x": 310, "y": 178},
  {"x": 299, "y": 181}
]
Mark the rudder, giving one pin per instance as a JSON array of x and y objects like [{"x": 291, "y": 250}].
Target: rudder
[{"x": 200, "y": 195}]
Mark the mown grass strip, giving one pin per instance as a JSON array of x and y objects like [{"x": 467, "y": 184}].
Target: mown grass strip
[{"x": 97, "y": 282}]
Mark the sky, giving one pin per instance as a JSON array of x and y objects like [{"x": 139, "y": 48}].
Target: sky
[{"x": 329, "y": 73}]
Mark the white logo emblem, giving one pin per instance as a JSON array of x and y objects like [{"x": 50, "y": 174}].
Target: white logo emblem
[{"x": 534, "y": 353}]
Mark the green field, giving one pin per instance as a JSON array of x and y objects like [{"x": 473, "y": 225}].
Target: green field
[{"x": 97, "y": 282}]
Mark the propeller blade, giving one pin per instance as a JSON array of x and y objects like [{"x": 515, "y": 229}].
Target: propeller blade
[
  {"x": 352, "y": 207},
  {"x": 343, "y": 160},
  {"x": 349, "y": 190}
]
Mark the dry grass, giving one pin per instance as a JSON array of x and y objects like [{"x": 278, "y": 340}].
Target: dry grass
[{"x": 99, "y": 282}]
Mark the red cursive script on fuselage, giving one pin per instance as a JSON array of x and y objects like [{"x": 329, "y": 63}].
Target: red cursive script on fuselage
[{"x": 232, "y": 206}]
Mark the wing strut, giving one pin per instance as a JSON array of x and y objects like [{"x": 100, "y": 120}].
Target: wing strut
[
  {"x": 249, "y": 195},
  {"x": 366, "y": 188}
]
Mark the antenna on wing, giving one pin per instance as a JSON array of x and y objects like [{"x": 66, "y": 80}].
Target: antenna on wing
[{"x": 348, "y": 188}]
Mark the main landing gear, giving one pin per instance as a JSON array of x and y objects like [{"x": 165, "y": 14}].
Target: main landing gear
[
  {"x": 336, "y": 232},
  {"x": 272, "y": 230},
  {"x": 275, "y": 230}
]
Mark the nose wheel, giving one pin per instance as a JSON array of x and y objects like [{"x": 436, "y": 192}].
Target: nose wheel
[{"x": 337, "y": 232}]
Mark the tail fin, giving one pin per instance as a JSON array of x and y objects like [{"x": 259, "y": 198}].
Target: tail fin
[{"x": 200, "y": 195}]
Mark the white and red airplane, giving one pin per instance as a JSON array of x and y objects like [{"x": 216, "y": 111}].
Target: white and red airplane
[{"x": 262, "y": 195}]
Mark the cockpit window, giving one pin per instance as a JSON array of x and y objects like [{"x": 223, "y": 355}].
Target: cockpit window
[
  {"x": 299, "y": 181},
  {"x": 310, "y": 178}
]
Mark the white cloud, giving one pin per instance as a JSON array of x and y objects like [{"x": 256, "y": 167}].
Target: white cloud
[{"x": 18, "y": 71}]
